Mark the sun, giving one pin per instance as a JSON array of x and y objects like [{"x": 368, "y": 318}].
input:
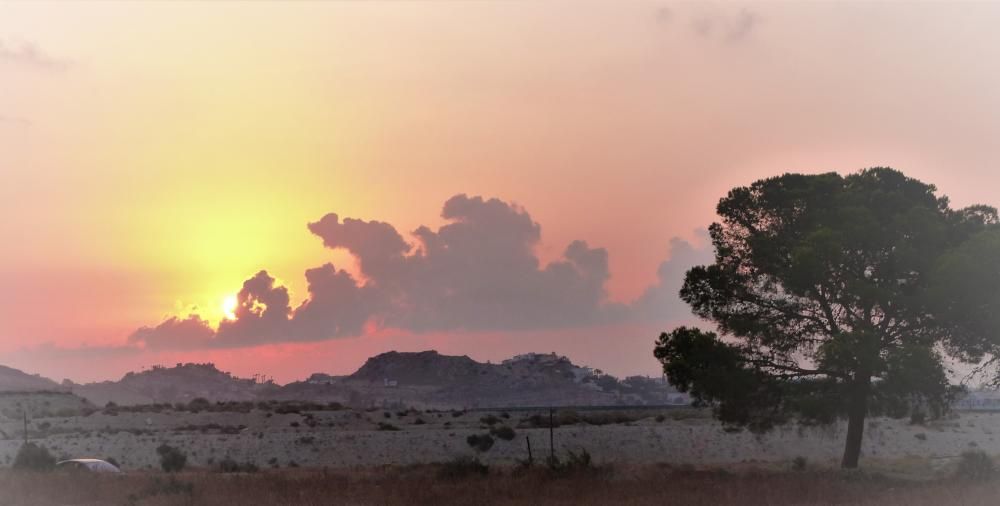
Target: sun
[{"x": 229, "y": 304}]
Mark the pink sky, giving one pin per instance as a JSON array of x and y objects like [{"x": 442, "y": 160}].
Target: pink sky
[{"x": 154, "y": 156}]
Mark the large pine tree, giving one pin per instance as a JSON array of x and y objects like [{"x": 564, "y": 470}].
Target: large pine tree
[{"x": 837, "y": 296}]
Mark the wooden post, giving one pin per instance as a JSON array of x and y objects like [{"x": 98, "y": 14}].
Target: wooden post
[
  {"x": 552, "y": 445},
  {"x": 531, "y": 460}
]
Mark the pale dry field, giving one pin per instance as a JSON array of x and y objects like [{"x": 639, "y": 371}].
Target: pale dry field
[{"x": 346, "y": 438}]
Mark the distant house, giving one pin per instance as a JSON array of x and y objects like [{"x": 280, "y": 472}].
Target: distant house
[
  {"x": 320, "y": 379},
  {"x": 988, "y": 400}
]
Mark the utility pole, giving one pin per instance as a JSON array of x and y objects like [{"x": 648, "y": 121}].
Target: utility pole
[{"x": 25, "y": 413}]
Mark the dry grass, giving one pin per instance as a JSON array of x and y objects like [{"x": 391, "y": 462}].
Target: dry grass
[{"x": 652, "y": 485}]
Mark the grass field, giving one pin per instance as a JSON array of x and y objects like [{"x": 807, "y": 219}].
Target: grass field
[{"x": 437, "y": 484}]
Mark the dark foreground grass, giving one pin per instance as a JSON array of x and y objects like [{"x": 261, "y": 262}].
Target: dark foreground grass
[{"x": 652, "y": 485}]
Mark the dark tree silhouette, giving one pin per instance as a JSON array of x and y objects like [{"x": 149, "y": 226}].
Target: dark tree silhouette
[{"x": 837, "y": 296}]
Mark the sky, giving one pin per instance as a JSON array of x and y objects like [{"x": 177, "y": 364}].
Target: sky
[{"x": 292, "y": 187}]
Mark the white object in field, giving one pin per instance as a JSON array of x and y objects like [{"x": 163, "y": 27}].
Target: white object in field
[{"x": 93, "y": 465}]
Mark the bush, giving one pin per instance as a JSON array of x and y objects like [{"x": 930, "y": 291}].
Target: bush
[
  {"x": 387, "y": 426},
  {"x": 172, "y": 459},
  {"x": 481, "y": 442},
  {"x": 199, "y": 404},
  {"x": 229, "y": 465},
  {"x": 975, "y": 466},
  {"x": 461, "y": 468},
  {"x": 490, "y": 420},
  {"x": 574, "y": 463},
  {"x": 503, "y": 432},
  {"x": 34, "y": 457},
  {"x": 799, "y": 463}
]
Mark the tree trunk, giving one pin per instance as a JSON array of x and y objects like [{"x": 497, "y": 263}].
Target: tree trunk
[{"x": 856, "y": 412}]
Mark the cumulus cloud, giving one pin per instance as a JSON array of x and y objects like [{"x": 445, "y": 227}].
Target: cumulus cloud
[
  {"x": 29, "y": 56},
  {"x": 174, "y": 333},
  {"x": 661, "y": 302},
  {"x": 478, "y": 272}
]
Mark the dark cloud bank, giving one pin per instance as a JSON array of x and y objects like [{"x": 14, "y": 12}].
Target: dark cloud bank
[{"x": 479, "y": 272}]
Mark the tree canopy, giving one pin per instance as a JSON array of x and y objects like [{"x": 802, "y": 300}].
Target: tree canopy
[{"x": 837, "y": 296}]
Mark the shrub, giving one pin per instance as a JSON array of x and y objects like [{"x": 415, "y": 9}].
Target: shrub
[
  {"x": 574, "y": 463},
  {"x": 503, "y": 432},
  {"x": 229, "y": 465},
  {"x": 489, "y": 420},
  {"x": 799, "y": 463},
  {"x": 481, "y": 442},
  {"x": 387, "y": 426},
  {"x": 34, "y": 457},
  {"x": 172, "y": 459},
  {"x": 975, "y": 466},
  {"x": 199, "y": 404},
  {"x": 461, "y": 468}
]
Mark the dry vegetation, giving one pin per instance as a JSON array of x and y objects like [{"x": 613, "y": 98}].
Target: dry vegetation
[{"x": 434, "y": 484}]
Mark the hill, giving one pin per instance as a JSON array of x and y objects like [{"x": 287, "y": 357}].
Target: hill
[
  {"x": 424, "y": 379},
  {"x": 13, "y": 380},
  {"x": 179, "y": 384},
  {"x": 429, "y": 379}
]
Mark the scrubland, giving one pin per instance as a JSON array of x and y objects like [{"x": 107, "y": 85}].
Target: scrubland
[{"x": 287, "y": 453}]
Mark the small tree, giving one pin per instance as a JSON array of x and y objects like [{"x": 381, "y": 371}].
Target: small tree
[
  {"x": 172, "y": 459},
  {"x": 34, "y": 457},
  {"x": 837, "y": 296}
]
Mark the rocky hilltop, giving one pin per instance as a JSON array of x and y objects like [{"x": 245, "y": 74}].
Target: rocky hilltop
[{"x": 429, "y": 379}]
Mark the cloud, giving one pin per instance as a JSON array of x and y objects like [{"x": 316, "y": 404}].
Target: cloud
[
  {"x": 476, "y": 273},
  {"x": 174, "y": 334},
  {"x": 710, "y": 23},
  {"x": 262, "y": 314},
  {"x": 28, "y": 55},
  {"x": 728, "y": 27},
  {"x": 661, "y": 302}
]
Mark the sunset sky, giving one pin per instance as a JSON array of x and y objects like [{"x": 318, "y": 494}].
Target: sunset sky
[{"x": 156, "y": 156}]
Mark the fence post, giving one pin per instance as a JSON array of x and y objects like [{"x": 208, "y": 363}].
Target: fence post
[
  {"x": 552, "y": 444},
  {"x": 531, "y": 460}
]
